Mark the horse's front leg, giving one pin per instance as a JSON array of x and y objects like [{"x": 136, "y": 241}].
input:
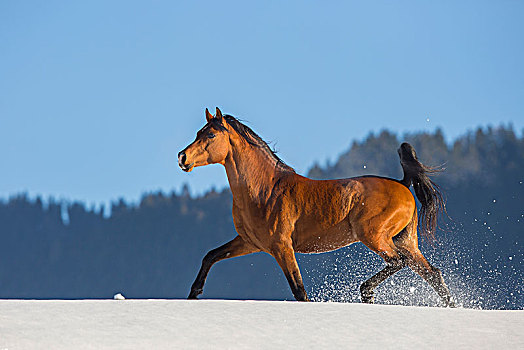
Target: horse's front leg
[
  {"x": 285, "y": 256},
  {"x": 236, "y": 247}
]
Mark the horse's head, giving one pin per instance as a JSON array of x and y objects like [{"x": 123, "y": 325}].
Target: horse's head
[{"x": 211, "y": 144}]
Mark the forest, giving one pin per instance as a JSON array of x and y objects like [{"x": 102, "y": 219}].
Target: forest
[{"x": 153, "y": 248}]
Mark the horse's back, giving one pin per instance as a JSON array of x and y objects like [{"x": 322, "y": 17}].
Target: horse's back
[
  {"x": 379, "y": 192},
  {"x": 377, "y": 188}
]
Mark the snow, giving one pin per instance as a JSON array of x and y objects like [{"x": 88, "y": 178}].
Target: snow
[
  {"x": 118, "y": 296},
  {"x": 206, "y": 324}
]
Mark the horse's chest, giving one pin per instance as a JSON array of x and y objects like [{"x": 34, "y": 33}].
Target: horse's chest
[{"x": 253, "y": 224}]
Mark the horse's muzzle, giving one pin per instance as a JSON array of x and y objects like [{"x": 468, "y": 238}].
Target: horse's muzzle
[{"x": 182, "y": 162}]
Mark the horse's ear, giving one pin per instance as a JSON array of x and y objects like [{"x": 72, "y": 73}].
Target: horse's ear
[
  {"x": 218, "y": 115},
  {"x": 209, "y": 116}
]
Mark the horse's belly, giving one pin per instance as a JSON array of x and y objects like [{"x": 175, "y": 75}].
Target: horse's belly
[{"x": 320, "y": 241}]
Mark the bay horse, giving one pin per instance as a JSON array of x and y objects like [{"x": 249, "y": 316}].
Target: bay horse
[{"x": 279, "y": 212}]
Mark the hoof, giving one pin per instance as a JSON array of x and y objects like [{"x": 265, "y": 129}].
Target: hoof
[
  {"x": 367, "y": 298},
  {"x": 366, "y": 294},
  {"x": 194, "y": 294},
  {"x": 449, "y": 303},
  {"x": 302, "y": 297}
]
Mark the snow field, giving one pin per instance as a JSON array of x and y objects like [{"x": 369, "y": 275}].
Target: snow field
[{"x": 214, "y": 324}]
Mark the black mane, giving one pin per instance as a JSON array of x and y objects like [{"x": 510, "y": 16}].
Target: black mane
[{"x": 253, "y": 139}]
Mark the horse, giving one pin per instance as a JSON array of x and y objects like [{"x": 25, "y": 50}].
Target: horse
[{"x": 277, "y": 211}]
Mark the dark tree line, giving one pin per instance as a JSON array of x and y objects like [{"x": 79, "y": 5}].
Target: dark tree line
[{"x": 153, "y": 249}]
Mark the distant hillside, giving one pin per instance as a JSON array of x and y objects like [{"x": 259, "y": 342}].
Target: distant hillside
[
  {"x": 485, "y": 157},
  {"x": 153, "y": 249}
]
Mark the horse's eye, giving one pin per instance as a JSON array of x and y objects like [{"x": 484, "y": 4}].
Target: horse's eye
[{"x": 210, "y": 135}]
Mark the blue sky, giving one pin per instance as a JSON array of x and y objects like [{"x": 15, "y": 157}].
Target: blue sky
[{"x": 97, "y": 97}]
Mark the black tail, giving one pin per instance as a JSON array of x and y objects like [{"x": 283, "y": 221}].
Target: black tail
[{"x": 427, "y": 192}]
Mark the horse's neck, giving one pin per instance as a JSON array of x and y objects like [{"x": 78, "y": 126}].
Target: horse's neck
[{"x": 251, "y": 174}]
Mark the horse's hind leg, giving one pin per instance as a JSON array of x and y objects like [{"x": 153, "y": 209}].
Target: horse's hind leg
[
  {"x": 395, "y": 262},
  {"x": 234, "y": 248},
  {"x": 366, "y": 289},
  {"x": 407, "y": 243},
  {"x": 418, "y": 263}
]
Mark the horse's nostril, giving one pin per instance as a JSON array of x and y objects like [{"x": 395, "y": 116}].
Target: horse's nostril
[{"x": 181, "y": 158}]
